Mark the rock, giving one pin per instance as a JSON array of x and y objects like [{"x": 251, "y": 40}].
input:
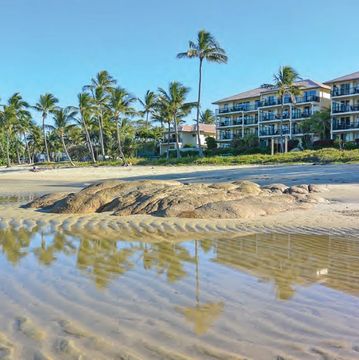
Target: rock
[
  {"x": 296, "y": 190},
  {"x": 239, "y": 199},
  {"x": 276, "y": 187},
  {"x": 314, "y": 188}
]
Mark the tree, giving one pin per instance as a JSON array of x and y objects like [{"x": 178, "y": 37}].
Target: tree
[
  {"x": 85, "y": 110},
  {"x": 285, "y": 84},
  {"x": 207, "y": 117},
  {"x": 206, "y": 48},
  {"x": 63, "y": 119},
  {"x": 319, "y": 124},
  {"x": 148, "y": 104},
  {"x": 47, "y": 104},
  {"x": 174, "y": 103},
  {"x": 120, "y": 104},
  {"x": 100, "y": 88}
]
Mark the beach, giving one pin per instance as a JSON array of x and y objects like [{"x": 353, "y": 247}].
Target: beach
[
  {"x": 339, "y": 215},
  {"x": 85, "y": 286}
]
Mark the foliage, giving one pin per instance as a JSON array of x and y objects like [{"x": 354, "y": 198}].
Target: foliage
[
  {"x": 211, "y": 143},
  {"x": 318, "y": 124}
]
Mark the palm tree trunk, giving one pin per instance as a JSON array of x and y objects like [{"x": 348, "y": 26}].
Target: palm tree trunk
[
  {"x": 89, "y": 142},
  {"x": 198, "y": 108},
  {"x": 65, "y": 149},
  {"x": 17, "y": 151},
  {"x": 27, "y": 148},
  {"x": 8, "y": 163},
  {"x": 122, "y": 156},
  {"x": 147, "y": 114},
  {"x": 168, "y": 140},
  {"x": 101, "y": 137},
  {"x": 176, "y": 136},
  {"x": 281, "y": 125},
  {"x": 45, "y": 140}
]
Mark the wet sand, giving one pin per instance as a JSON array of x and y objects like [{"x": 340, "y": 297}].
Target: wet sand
[
  {"x": 74, "y": 296},
  {"x": 143, "y": 287},
  {"x": 339, "y": 216}
]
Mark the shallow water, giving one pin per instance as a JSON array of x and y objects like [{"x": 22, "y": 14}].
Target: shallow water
[{"x": 264, "y": 296}]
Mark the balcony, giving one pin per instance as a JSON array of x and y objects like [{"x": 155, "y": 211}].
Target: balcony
[
  {"x": 250, "y": 120},
  {"x": 273, "y": 102},
  {"x": 301, "y": 114},
  {"x": 234, "y": 122},
  {"x": 308, "y": 98},
  {"x": 344, "y": 108},
  {"x": 270, "y": 132},
  {"x": 237, "y": 108},
  {"x": 273, "y": 117},
  {"x": 227, "y": 136},
  {"x": 337, "y": 125},
  {"x": 352, "y": 90}
]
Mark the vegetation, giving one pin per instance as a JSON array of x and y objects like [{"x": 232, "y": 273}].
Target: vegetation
[
  {"x": 307, "y": 156},
  {"x": 206, "y": 48},
  {"x": 285, "y": 83}
]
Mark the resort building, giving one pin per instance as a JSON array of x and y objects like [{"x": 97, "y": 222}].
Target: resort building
[
  {"x": 345, "y": 107},
  {"x": 258, "y": 112},
  {"x": 187, "y": 137}
]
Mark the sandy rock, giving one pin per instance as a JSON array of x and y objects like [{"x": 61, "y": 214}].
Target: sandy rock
[
  {"x": 46, "y": 200},
  {"x": 296, "y": 190},
  {"x": 314, "y": 188},
  {"x": 276, "y": 187},
  {"x": 239, "y": 199}
]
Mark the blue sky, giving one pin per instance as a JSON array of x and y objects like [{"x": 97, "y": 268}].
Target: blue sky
[{"x": 58, "y": 45}]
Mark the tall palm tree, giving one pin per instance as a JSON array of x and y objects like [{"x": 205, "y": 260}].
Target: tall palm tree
[
  {"x": 174, "y": 101},
  {"x": 100, "y": 88},
  {"x": 207, "y": 117},
  {"x": 63, "y": 121},
  {"x": 120, "y": 104},
  {"x": 85, "y": 109},
  {"x": 285, "y": 84},
  {"x": 46, "y": 105},
  {"x": 7, "y": 121},
  {"x": 22, "y": 117},
  {"x": 205, "y": 48},
  {"x": 148, "y": 104}
]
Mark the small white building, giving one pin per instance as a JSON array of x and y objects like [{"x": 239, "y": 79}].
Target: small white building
[{"x": 187, "y": 137}]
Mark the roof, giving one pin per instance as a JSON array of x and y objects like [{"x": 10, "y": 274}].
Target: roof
[
  {"x": 202, "y": 128},
  {"x": 352, "y": 76},
  {"x": 306, "y": 84}
]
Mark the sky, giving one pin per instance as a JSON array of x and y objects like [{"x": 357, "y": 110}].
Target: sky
[{"x": 57, "y": 46}]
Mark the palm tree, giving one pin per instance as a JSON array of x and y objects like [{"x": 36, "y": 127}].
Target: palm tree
[
  {"x": 62, "y": 124},
  {"x": 7, "y": 121},
  {"x": 174, "y": 101},
  {"x": 318, "y": 123},
  {"x": 85, "y": 109},
  {"x": 120, "y": 104},
  {"x": 100, "y": 89},
  {"x": 207, "y": 117},
  {"x": 285, "y": 83},
  {"x": 47, "y": 104},
  {"x": 206, "y": 48},
  {"x": 148, "y": 104}
]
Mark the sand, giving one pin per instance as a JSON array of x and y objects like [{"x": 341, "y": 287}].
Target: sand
[{"x": 340, "y": 216}]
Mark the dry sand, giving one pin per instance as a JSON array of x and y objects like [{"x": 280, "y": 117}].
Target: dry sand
[{"x": 340, "y": 216}]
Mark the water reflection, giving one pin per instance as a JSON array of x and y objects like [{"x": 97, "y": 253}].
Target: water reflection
[{"x": 285, "y": 260}]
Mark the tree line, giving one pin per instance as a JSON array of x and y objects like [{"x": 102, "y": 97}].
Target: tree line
[{"x": 104, "y": 124}]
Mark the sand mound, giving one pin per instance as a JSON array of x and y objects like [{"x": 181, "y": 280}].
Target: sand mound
[{"x": 239, "y": 199}]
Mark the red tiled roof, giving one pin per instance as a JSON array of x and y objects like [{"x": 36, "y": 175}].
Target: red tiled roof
[{"x": 202, "y": 128}]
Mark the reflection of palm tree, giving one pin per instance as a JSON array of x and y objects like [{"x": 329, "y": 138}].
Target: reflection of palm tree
[
  {"x": 202, "y": 316},
  {"x": 103, "y": 260},
  {"x": 14, "y": 244}
]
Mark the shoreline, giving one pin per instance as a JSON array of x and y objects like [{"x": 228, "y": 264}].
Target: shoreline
[{"x": 338, "y": 217}]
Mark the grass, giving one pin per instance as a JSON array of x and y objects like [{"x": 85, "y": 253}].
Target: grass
[
  {"x": 322, "y": 156},
  {"x": 307, "y": 156}
]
